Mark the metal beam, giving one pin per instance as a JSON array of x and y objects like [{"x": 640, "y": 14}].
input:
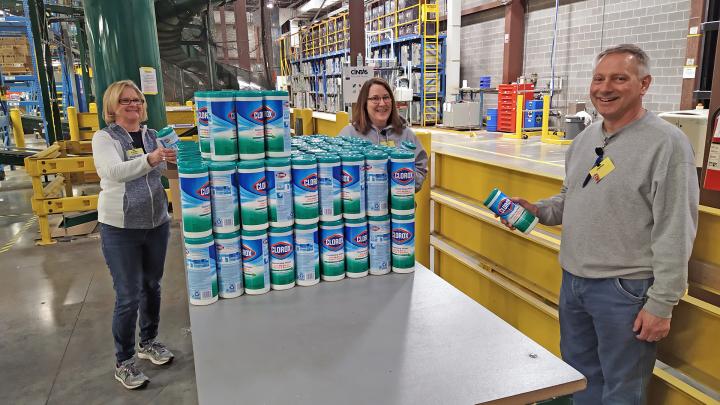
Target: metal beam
[
  {"x": 241, "y": 35},
  {"x": 356, "y": 16},
  {"x": 693, "y": 53},
  {"x": 46, "y": 79},
  {"x": 514, "y": 41}
]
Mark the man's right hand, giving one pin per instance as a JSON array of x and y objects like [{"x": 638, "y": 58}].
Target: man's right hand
[{"x": 523, "y": 203}]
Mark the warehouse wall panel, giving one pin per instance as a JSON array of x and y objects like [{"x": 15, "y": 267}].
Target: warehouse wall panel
[{"x": 659, "y": 27}]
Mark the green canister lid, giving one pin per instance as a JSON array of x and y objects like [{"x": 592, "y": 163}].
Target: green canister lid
[
  {"x": 304, "y": 159},
  {"x": 375, "y": 154},
  {"x": 251, "y": 164},
  {"x": 337, "y": 222},
  {"x": 222, "y": 166},
  {"x": 352, "y": 157},
  {"x": 227, "y": 235},
  {"x": 247, "y": 93},
  {"x": 199, "y": 241},
  {"x": 249, "y": 233},
  {"x": 280, "y": 229},
  {"x": 277, "y": 162},
  {"x": 305, "y": 227},
  {"x": 274, "y": 93},
  {"x": 328, "y": 158},
  {"x": 402, "y": 154},
  {"x": 378, "y": 218},
  {"x": 355, "y": 220},
  {"x": 165, "y": 132},
  {"x": 193, "y": 168}
]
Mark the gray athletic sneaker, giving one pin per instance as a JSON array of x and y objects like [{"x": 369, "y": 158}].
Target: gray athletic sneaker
[
  {"x": 156, "y": 352},
  {"x": 129, "y": 375}
]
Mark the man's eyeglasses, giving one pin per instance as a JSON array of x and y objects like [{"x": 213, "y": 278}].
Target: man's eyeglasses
[
  {"x": 376, "y": 99},
  {"x": 600, "y": 152},
  {"x": 128, "y": 101}
]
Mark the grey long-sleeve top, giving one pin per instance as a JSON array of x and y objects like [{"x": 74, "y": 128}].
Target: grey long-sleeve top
[{"x": 640, "y": 220}]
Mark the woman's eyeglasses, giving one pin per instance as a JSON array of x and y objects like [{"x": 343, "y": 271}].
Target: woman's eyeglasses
[
  {"x": 376, "y": 99},
  {"x": 128, "y": 101},
  {"x": 600, "y": 152}
]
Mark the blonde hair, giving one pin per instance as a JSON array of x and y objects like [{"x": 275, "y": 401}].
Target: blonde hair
[{"x": 111, "y": 99}]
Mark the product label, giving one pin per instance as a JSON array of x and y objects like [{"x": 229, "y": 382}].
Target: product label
[
  {"x": 250, "y": 127},
  {"x": 332, "y": 262},
  {"x": 201, "y": 272},
  {"x": 356, "y": 248},
  {"x": 225, "y": 207},
  {"x": 376, "y": 188},
  {"x": 379, "y": 246},
  {"x": 280, "y": 201},
  {"x": 402, "y": 186},
  {"x": 221, "y": 129},
  {"x": 403, "y": 245},
  {"x": 256, "y": 263},
  {"x": 229, "y": 266},
  {"x": 203, "y": 118},
  {"x": 307, "y": 255},
  {"x": 282, "y": 259},
  {"x": 305, "y": 194},
  {"x": 253, "y": 197},
  {"x": 353, "y": 190},
  {"x": 277, "y": 128},
  {"x": 195, "y": 200},
  {"x": 330, "y": 192}
]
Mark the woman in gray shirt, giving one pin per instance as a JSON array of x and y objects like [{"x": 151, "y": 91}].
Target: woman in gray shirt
[{"x": 376, "y": 119}]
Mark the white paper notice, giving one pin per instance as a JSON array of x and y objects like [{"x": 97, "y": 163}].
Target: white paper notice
[
  {"x": 689, "y": 72},
  {"x": 148, "y": 80}
]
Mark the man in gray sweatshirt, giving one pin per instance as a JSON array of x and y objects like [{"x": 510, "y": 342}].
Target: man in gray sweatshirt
[{"x": 628, "y": 207}]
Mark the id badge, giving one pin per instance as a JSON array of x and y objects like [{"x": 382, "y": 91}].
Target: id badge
[
  {"x": 389, "y": 143},
  {"x": 133, "y": 154},
  {"x": 603, "y": 169}
]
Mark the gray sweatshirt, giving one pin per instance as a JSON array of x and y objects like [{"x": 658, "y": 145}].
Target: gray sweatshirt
[
  {"x": 387, "y": 134},
  {"x": 640, "y": 220},
  {"x": 131, "y": 195}
]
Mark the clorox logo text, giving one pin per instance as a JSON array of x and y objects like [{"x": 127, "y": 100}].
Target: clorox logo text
[
  {"x": 403, "y": 175},
  {"x": 505, "y": 206},
  {"x": 260, "y": 186},
  {"x": 248, "y": 253},
  {"x": 361, "y": 239},
  {"x": 400, "y": 235},
  {"x": 204, "y": 191},
  {"x": 334, "y": 242},
  {"x": 281, "y": 250},
  {"x": 310, "y": 182},
  {"x": 203, "y": 116},
  {"x": 347, "y": 178}
]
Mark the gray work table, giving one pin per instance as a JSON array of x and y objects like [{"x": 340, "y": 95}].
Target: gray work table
[{"x": 393, "y": 339}]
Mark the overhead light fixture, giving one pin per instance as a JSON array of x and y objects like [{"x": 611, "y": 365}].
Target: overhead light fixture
[
  {"x": 315, "y": 4},
  {"x": 270, "y": 4}
]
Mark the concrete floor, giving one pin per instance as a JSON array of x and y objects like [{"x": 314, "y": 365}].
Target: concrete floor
[{"x": 56, "y": 305}]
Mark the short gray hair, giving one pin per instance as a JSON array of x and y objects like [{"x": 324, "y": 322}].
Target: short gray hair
[{"x": 642, "y": 58}]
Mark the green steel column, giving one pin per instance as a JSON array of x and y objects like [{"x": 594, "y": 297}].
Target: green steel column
[{"x": 123, "y": 38}]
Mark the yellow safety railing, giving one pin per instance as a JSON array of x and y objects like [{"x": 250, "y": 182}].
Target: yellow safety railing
[
  {"x": 520, "y": 282},
  {"x": 71, "y": 162}
]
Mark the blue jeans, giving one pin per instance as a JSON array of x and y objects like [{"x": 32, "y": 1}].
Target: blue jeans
[
  {"x": 136, "y": 258},
  {"x": 596, "y": 338}
]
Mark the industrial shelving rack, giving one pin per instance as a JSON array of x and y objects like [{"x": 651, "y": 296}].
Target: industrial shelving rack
[
  {"x": 315, "y": 67},
  {"x": 416, "y": 40},
  {"x": 25, "y": 84},
  {"x": 410, "y": 26}
]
